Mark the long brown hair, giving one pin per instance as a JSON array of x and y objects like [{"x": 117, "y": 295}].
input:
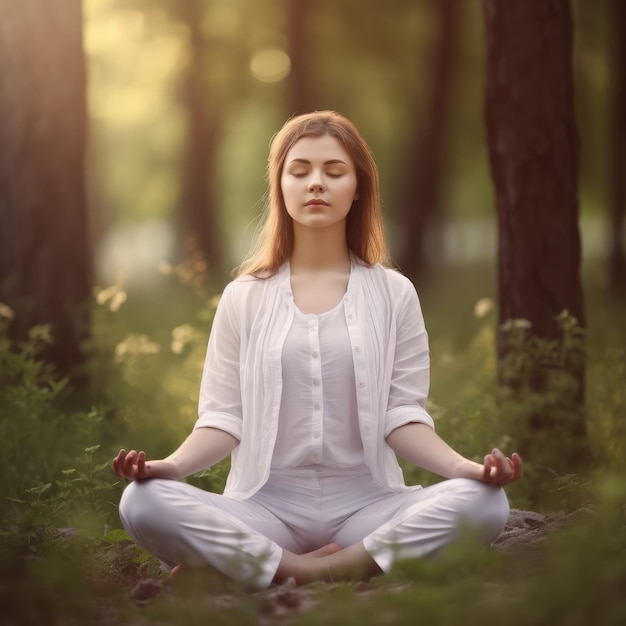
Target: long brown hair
[{"x": 364, "y": 226}]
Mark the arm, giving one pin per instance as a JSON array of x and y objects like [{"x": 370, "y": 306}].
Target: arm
[
  {"x": 420, "y": 445},
  {"x": 203, "y": 448}
]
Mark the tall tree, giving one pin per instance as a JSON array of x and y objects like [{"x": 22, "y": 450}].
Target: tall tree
[
  {"x": 534, "y": 150},
  {"x": 617, "y": 247},
  {"x": 420, "y": 200},
  {"x": 199, "y": 197},
  {"x": 300, "y": 97},
  {"x": 45, "y": 256}
]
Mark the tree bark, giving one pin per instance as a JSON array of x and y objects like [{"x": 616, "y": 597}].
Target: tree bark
[
  {"x": 534, "y": 150},
  {"x": 420, "y": 201},
  {"x": 300, "y": 95},
  {"x": 199, "y": 199},
  {"x": 45, "y": 256}
]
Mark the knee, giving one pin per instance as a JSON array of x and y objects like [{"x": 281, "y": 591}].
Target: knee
[
  {"x": 490, "y": 510},
  {"x": 140, "y": 504},
  {"x": 487, "y": 508}
]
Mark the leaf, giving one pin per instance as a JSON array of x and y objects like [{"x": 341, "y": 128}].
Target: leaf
[{"x": 116, "y": 536}]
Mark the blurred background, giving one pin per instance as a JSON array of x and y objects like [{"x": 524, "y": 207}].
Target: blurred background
[{"x": 185, "y": 96}]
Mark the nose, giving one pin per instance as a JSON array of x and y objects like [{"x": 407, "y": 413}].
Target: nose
[{"x": 316, "y": 183}]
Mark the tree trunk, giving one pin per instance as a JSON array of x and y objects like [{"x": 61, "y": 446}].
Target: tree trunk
[
  {"x": 199, "y": 199},
  {"x": 45, "y": 257},
  {"x": 617, "y": 251},
  {"x": 420, "y": 202},
  {"x": 533, "y": 150},
  {"x": 300, "y": 83}
]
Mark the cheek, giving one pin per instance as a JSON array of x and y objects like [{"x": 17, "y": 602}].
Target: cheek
[
  {"x": 350, "y": 190},
  {"x": 284, "y": 187},
  {"x": 288, "y": 195}
]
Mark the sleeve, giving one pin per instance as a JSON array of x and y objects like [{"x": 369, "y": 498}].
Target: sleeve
[
  {"x": 410, "y": 377},
  {"x": 220, "y": 388}
]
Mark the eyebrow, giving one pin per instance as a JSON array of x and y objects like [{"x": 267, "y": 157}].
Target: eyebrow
[{"x": 307, "y": 162}]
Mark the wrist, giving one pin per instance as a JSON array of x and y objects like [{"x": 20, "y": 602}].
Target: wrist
[
  {"x": 164, "y": 469},
  {"x": 468, "y": 469}
]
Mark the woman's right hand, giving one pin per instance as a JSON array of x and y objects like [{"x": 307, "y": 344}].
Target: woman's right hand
[
  {"x": 133, "y": 466},
  {"x": 203, "y": 448}
]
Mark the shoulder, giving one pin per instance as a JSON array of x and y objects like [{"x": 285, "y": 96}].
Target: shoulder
[
  {"x": 246, "y": 292},
  {"x": 387, "y": 278}
]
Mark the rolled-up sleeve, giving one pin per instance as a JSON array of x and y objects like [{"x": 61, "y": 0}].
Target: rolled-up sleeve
[
  {"x": 219, "y": 404},
  {"x": 410, "y": 378}
]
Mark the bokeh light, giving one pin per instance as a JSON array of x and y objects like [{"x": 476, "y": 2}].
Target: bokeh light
[{"x": 270, "y": 65}]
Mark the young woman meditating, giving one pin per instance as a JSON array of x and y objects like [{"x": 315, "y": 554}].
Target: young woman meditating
[{"x": 315, "y": 381}]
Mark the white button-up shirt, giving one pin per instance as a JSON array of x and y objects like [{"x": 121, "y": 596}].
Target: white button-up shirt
[
  {"x": 242, "y": 382},
  {"x": 318, "y": 424}
]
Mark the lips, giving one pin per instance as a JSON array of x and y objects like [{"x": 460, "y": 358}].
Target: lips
[{"x": 317, "y": 202}]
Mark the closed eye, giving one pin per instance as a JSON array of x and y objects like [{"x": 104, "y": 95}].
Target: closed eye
[{"x": 298, "y": 173}]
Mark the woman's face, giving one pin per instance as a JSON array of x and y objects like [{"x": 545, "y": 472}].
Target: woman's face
[{"x": 318, "y": 182}]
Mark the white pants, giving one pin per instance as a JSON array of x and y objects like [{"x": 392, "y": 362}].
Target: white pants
[{"x": 300, "y": 511}]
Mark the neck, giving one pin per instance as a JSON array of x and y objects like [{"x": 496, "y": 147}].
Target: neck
[{"x": 319, "y": 249}]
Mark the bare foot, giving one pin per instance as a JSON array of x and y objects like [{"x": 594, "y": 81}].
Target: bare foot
[
  {"x": 326, "y": 550},
  {"x": 330, "y": 563}
]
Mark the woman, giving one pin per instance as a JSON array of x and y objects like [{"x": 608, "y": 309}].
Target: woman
[{"x": 316, "y": 377}]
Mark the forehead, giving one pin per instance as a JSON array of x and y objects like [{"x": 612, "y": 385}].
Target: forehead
[{"x": 314, "y": 149}]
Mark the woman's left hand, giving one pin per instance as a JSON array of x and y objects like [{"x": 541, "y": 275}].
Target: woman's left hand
[{"x": 501, "y": 470}]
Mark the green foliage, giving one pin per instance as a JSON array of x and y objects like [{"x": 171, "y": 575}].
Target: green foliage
[
  {"x": 541, "y": 396},
  {"x": 607, "y": 405},
  {"x": 47, "y": 475},
  {"x": 84, "y": 495},
  {"x": 28, "y": 417},
  {"x": 42, "y": 580}
]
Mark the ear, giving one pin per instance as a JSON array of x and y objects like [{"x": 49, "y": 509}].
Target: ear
[{"x": 357, "y": 195}]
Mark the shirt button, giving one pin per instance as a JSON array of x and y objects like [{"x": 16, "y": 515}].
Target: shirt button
[
  {"x": 315, "y": 354},
  {"x": 361, "y": 384},
  {"x": 357, "y": 349},
  {"x": 316, "y": 407},
  {"x": 350, "y": 316},
  {"x": 316, "y": 435},
  {"x": 316, "y": 382}
]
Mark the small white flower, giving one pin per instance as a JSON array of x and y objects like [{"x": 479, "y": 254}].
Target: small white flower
[
  {"x": 6, "y": 311},
  {"x": 482, "y": 307}
]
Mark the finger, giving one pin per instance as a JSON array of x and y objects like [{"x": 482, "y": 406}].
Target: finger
[
  {"x": 141, "y": 465},
  {"x": 516, "y": 460},
  {"x": 129, "y": 463},
  {"x": 501, "y": 463},
  {"x": 118, "y": 462},
  {"x": 488, "y": 467},
  {"x": 505, "y": 468}
]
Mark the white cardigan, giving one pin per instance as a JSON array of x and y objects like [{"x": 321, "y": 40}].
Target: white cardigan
[{"x": 241, "y": 384}]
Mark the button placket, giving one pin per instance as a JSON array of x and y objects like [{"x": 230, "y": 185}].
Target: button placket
[
  {"x": 360, "y": 372},
  {"x": 316, "y": 390}
]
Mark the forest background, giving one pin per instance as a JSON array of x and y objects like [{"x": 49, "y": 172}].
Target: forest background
[{"x": 171, "y": 106}]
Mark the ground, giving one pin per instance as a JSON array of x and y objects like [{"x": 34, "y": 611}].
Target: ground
[{"x": 523, "y": 535}]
